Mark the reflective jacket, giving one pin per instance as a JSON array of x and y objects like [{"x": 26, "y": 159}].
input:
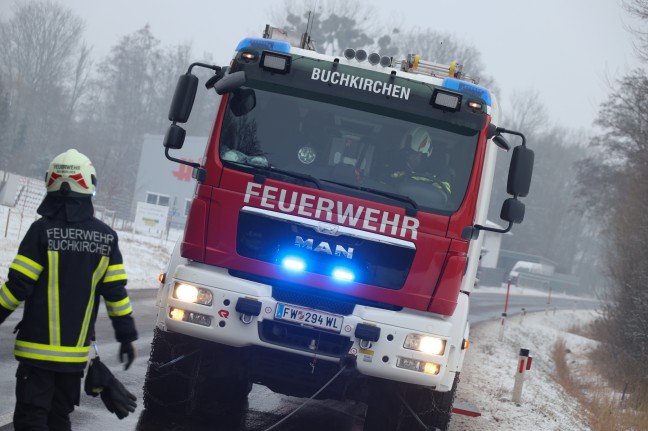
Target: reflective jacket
[
  {"x": 434, "y": 180},
  {"x": 61, "y": 269}
]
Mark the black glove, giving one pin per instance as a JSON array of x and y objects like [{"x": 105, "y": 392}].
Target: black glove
[
  {"x": 127, "y": 350},
  {"x": 118, "y": 400},
  {"x": 100, "y": 381}
]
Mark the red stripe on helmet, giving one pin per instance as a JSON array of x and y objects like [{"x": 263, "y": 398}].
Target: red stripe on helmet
[
  {"x": 53, "y": 177},
  {"x": 79, "y": 179}
]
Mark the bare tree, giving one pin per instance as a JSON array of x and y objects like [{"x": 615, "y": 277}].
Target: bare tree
[
  {"x": 334, "y": 25},
  {"x": 44, "y": 65},
  {"x": 614, "y": 183},
  {"x": 639, "y": 8},
  {"x": 130, "y": 96}
]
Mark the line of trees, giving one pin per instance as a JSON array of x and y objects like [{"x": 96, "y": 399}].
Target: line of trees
[
  {"x": 53, "y": 96},
  {"x": 613, "y": 182}
]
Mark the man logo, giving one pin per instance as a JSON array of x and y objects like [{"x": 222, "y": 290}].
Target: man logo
[
  {"x": 323, "y": 247},
  {"x": 327, "y": 228}
]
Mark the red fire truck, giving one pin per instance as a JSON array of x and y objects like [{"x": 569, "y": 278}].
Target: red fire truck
[{"x": 334, "y": 234}]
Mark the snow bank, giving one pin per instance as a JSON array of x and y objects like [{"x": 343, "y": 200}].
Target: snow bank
[{"x": 490, "y": 365}]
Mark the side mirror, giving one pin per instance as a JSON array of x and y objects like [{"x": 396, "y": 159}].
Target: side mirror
[
  {"x": 243, "y": 101},
  {"x": 512, "y": 211},
  {"x": 501, "y": 142},
  {"x": 230, "y": 82},
  {"x": 183, "y": 98},
  {"x": 520, "y": 171},
  {"x": 174, "y": 137}
]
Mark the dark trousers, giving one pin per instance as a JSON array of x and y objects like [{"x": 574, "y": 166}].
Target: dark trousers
[{"x": 45, "y": 399}]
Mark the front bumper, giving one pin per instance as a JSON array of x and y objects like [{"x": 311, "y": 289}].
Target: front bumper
[{"x": 382, "y": 358}]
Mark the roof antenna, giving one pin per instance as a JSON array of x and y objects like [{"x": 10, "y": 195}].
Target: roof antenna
[{"x": 306, "y": 41}]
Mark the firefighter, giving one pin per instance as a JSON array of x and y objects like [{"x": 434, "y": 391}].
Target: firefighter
[
  {"x": 418, "y": 148},
  {"x": 67, "y": 259}
]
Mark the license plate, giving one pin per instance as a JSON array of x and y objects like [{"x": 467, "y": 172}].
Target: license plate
[{"x": 306, "y": 316}]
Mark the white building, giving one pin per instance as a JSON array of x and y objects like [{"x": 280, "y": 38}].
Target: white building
[{"x": 165, "y": 183}]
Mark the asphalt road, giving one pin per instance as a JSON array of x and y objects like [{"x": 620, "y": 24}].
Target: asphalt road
[{"x": 264, "y": 408}]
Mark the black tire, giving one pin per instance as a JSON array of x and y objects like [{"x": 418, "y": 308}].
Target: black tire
[
  {"x": 433, "y": 408},
  {"x": 188, "y": 377},
  {"x": 386, "y": 410}
]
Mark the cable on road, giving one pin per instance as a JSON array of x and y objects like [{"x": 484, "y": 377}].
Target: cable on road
[
  {"x": 407, "y": 406},
  {"x": 308, "y": 400}
]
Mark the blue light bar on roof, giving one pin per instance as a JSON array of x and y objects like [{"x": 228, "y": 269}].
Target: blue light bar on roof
[
  {"x": 467, "y": 88},
  {"x": 267, "y": 44}
]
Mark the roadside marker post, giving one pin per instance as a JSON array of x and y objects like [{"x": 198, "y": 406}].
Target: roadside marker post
[
  {"x": 524, "y": 364},
  {"x": 548, "y": 300},
  {"x": 501, "y": 331}
]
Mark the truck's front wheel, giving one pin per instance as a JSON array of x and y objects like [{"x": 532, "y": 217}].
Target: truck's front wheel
[
  {"x": 194, "y": 378},
  {"x": 387, "y": 410}
]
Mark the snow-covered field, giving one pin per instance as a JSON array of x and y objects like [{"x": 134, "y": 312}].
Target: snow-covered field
[{"x": 488, "y": 376}]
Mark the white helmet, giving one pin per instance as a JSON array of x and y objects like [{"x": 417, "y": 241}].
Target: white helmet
[
  {"x": 418, "y": 140},
  {"x": 75, "y": 170}
]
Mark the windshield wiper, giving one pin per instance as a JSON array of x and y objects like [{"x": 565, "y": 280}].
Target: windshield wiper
[
  {"x": 292, "y": 174},
  {"x": 395, "y": 196}
]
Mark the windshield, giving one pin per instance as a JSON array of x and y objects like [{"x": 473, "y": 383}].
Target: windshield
[{"x": 352, "y": 149}]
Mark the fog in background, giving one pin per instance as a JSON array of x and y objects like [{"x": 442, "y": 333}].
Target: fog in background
[{"x": 566, "y": 51}]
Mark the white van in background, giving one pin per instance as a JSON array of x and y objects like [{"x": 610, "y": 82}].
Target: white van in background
[{"x": 523, "y": 266}]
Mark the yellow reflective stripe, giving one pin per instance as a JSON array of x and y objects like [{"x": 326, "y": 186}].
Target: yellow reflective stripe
[
  {"x": 96, "y": 276},
  {"x": 26, "y": 266},
  {"x": 119, "y": 308},
  {"x": 115, "y": 273},
  {"x": 54, "y": 318},
  {"x": 422, "y": 179},
  {"x": 48, "y": 352},
  {"x": 442, "y": 185},
  {"x": 7, "y": 300}
]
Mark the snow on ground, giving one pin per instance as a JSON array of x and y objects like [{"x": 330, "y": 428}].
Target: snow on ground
[
  {"x": 144, "y": 257},
  {"x": 488, "y": 376}
]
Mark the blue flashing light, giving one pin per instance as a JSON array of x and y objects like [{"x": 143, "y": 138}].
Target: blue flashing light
[
  {"x": 467, "y": 88},
  {"x": 264, "y": 44},
  {"x": 343, "y": 274},
  {"x": 293, "y": 263}
]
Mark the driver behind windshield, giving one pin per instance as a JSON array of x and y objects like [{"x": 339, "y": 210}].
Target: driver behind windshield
[{"x": 417, "y": 151}]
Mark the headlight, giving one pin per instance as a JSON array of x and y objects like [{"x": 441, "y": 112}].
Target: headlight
[
  {"x": 189, "y": 293},
  {"x": 425, "y": 343},
  {"x": 416, "y": 365},
  {"x": 189, "y": 316}
]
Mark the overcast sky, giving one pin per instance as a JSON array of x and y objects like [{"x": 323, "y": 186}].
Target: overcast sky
[{"x": 566, "y": 50}]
